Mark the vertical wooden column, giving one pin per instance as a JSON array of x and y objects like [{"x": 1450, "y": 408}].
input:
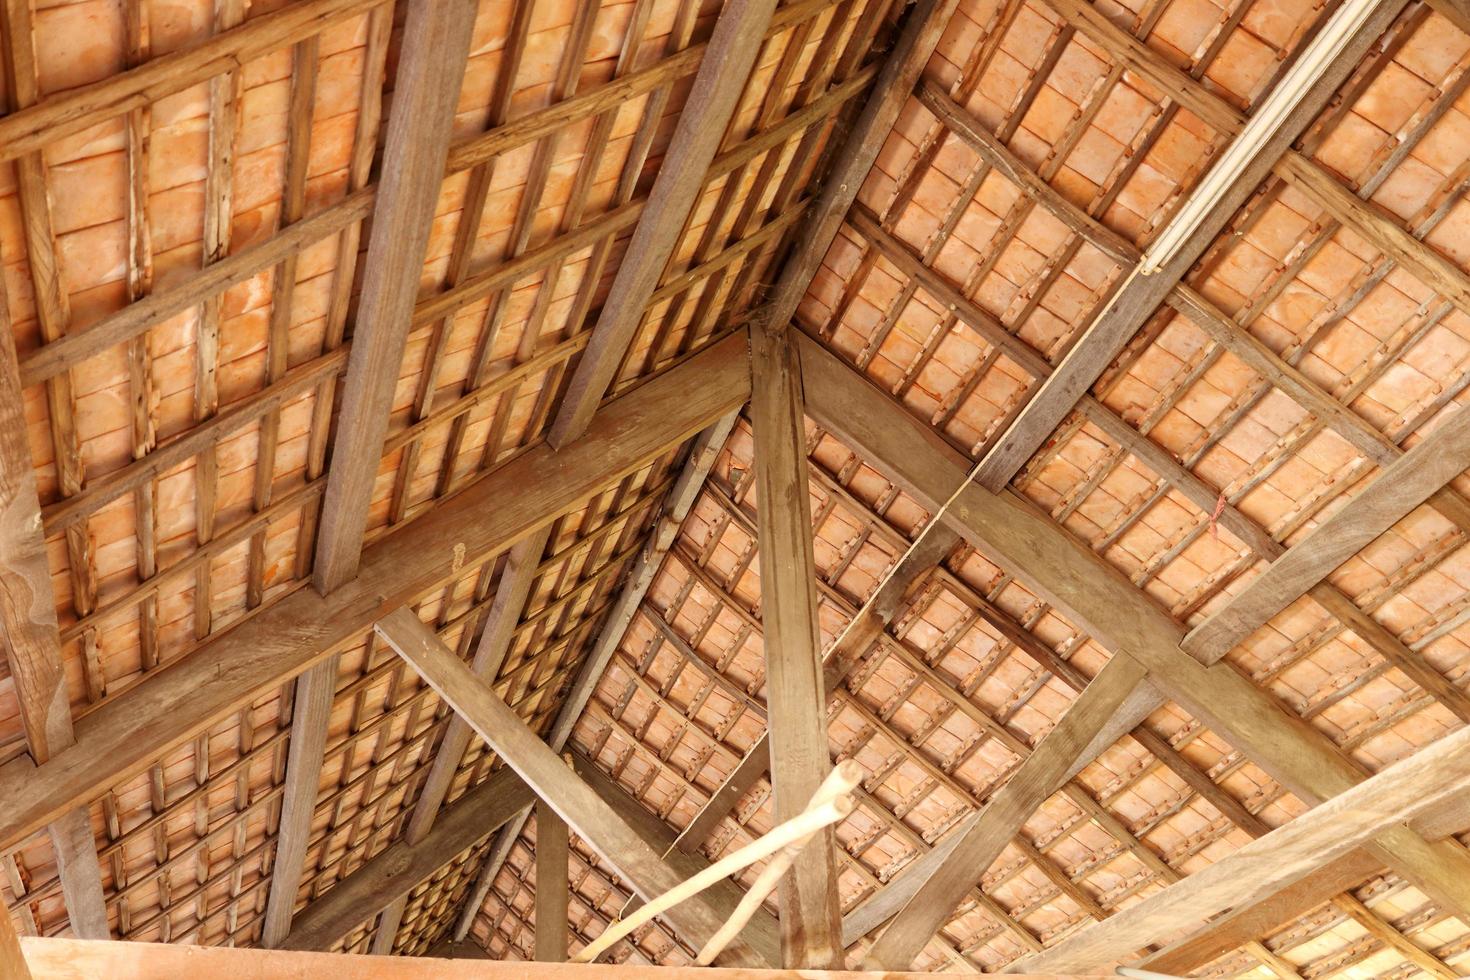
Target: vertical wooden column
[
  {"x": 553, "y": 848},
  {"x": 811, "y": 921}
]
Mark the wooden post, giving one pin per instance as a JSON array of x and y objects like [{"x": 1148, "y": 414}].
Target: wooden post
[
  {"x": 552, "y": 885},
  {"x": 811, "y": 918}
]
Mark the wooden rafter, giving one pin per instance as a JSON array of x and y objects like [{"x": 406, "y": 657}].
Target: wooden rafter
[
  {"x": 1273, "y": 862},
  {"x": 436, "y": 44},
  {"x": 723, "y": 70},
  {"x": 702, "y": 456},
  {"x": 552, "y": 781},
  {"x": 1095, "y": 595},
  {"x": 125, "y": 734},
  {"x": 1228, "y": 334},
  {"x": 402, "y": 866},
  {"x": 551, "y": 885},
  {"x": 1433, "y": 462},
  {"x": 1136, "y": 296},
  {"x": 1114, "y": 703}
]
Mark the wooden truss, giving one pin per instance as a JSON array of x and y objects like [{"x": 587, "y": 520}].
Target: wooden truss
[{"x": 604, "y": 431}]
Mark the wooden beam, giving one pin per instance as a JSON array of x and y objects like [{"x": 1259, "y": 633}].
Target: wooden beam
[
  {"x": 1456, "y": 11},
  {"x": 682, "y": 494},
  {"x": 1433, "y": 462},
  {"x": 396, "y": 870},
  {"x": 67, "y": 959},
  {"x": 550, "y": 779},
  {"x": 1135, "y": 297},
  {"x": 846, "y": 653},
  {"x": 1262, "y": 915},
  {"x": 32, "y": 645},
  {"x": 1305, "y": 844},
  {"x": 712, "y": 101},
  {"x": 431, "y": 63},
  {"x": 1100, "y": 599},
  {"x": 811, "y": 918},
  {"x": 552, "y": 885},
  {"x": 125, "y": 734},
  {"x": 923, "y": 25},
  {"x": 1105, "y": 711},
  {"x": 76, "y": 109}
]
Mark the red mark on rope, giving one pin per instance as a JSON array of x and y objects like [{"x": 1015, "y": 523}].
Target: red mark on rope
[{"x": 1215, "y": 516}]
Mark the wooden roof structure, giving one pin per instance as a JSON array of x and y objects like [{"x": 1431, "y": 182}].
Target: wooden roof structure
[{"x": 467, "y": 465}]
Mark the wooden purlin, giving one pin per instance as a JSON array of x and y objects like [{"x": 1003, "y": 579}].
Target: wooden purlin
[{"x": 1251, "y": 714}]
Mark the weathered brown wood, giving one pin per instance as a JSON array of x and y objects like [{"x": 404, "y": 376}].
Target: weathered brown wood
[
  {"x": 1136, "y": 296},
  {"x": 1437, "y": 459},
  {"x": 32, "y": 645},
  {"x": 1262, "y": 915},
  {"x": 1456, "y": 11},
  {"x": 682, "y": 494},
  {"x": 1091, "y": 724},
  {"x": 723, "y": 70},
  {"x": 555, "y": 784},
  {"x": 432, "y": 58},
  {"x": 27, "y": 605},
  {"x": 431, "y": 63},
  {"x": 924, "y": 24},
  {"x": 123, "y": 735},
  {"x": 1330, "y": 831},
  {"x": 69, "y": 959},
  {"x": 87, "y": 105},
  {"x": 552, "y": 849},
  {"x": 1101, "y": 600},
  {"x": 811, "y": 918},
  {"x": 401, "y": 866}
]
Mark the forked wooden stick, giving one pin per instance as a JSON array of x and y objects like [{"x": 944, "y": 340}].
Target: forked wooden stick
[
  {"x": 841, "y": 782},
  {"x": 830, "y": 803}
]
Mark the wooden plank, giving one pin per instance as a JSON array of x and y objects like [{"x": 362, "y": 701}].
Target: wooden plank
[
  {"x": 811, "y": 918},
  {"x": 924, "y": 24},
  {"x": 1433, "y": 462},
  {"x": 550, "y": 779},
  {"x": 682, "y": 494},
  {"x": 125, "y": 734},
  {"x": 395, "y": 871},
  {"x": 70, "y": 959},
  {"x": 76, "y": 109},
  {"x": 1100, "y": 599},
  {"x": 431, "y": 63},
  {"x": 552, "y": 886},
  {"x": 1135, "y": 297},
  {"x": 712, "y": 101},
  {"x": 1090, "y": 725},
  {"x": 1330, "y": 831}
]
